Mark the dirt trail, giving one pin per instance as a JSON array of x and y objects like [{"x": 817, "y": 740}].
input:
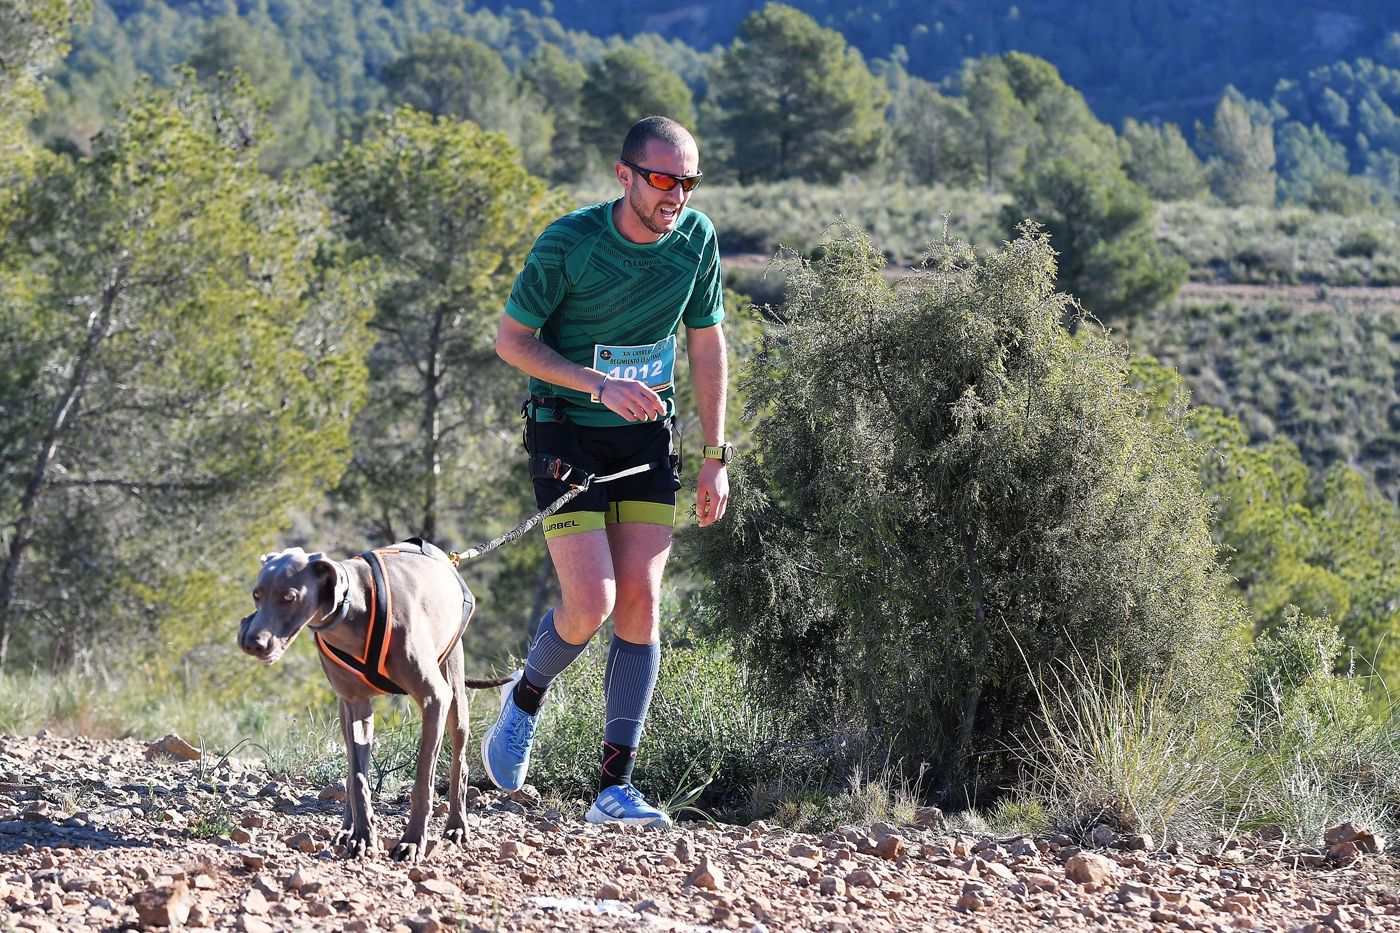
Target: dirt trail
[{"x": 97, "y": 835}]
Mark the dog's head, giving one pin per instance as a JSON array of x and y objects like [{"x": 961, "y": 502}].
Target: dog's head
[{"x": 293, "y": 589}]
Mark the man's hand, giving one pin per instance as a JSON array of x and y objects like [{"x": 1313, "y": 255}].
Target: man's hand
[
  {"x": 711, "y": 492},
  {"x": 633, "y": 400}
]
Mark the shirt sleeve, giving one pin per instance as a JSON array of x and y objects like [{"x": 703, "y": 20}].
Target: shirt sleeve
[
  {"x": 706, "y": 305},
  {"x": 542, "y": 284}
]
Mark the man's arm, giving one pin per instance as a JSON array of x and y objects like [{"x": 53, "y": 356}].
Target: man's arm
[
  {"x": 709, "y": 369},
  {"x": 517, "y": 344}
]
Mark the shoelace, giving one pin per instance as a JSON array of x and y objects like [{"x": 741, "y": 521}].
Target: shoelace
[
  {"x": 519, "y": 732},
  {"x": 633, "y": 795}
]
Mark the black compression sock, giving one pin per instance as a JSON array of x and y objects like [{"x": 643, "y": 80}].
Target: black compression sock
[
  {"x": 527, "y": 696},
  {"x": 617, "y": 765}
]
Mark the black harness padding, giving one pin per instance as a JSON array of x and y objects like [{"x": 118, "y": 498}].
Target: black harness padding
[
  {"x": 370, "y": 667},
  {"x": 555, "y": 467}
]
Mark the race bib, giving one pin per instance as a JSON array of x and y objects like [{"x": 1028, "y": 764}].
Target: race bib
[{"x": 651, "y": 363}]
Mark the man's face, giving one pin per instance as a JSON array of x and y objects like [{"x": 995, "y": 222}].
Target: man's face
[{"x": 658, "y": 210}]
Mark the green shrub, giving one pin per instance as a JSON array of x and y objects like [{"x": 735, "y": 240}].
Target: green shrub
[
  {"x": 943, "y": 472},
  {"x": 1316, "y": 757},
  {"x": 1363, "y": 243}
]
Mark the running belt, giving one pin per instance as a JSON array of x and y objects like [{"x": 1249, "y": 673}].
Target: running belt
[{"x": 369, "y": 665}]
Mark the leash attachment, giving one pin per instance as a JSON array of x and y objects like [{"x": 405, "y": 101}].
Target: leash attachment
[{"x": 560, "y": 470}]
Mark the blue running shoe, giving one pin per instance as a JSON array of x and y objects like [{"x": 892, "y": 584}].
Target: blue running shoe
[
  {"x": 505, "y": 748},
  {"x": 623, "y": 803}
]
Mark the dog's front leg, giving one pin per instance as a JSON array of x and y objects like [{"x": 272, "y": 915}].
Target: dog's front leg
[
  {"x": 357, "y": 829},
  {"x": 413, "y": 845}
]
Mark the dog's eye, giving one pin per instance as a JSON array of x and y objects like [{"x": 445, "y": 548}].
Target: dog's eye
[
  {"x": 257, "y": 595},
  {"x": 290, "y": 596}
]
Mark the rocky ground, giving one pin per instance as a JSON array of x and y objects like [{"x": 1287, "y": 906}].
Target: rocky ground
[{"x": 110, "y": 835}]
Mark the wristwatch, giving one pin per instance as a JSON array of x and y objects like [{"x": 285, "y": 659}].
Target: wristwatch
[{"x": 723, "y": 453}]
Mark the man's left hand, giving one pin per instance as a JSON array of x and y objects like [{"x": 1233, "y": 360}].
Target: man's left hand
[{"x": 711, "y": 492}]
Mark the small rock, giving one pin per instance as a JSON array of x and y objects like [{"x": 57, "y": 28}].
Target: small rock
[
  {"x": 1102, "y": 836},
  {"x": 515, "y": 849},
  {"x": 302, "y": 842},
  {"x": 831, "y": 886},
  {"x": 439, "y": 887},
  {"x": 682, "y": 849},
  {"x": 172, "y": 746},
  {"x": 526, "y": 796},
  {"x": 706, "y": 875},
  {"x": 253, "y": 860},
  {"x": 891, "y": 847},
  {"x": 163, "y": 906},
  {"x": 1142, "y": 842},
  {"x": 333, "y": 792},
  {"x": 1362, "y": 837},
  {"x": 609, "y": 891},
  {"x": 863, "y": 878},
  {"x": 254, "y": 902},
  {"x": 1089, "y": 868},
  {"x": 241, "y": 835},
  {"x": 930, "y": 818},
  {"x": 974, "y": 897}
]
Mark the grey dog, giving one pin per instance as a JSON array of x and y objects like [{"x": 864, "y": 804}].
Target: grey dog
[{"x": 388, "y": 621}]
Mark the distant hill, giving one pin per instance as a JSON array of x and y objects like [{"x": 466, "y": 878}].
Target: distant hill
[{"x": 1165, "y": 59}]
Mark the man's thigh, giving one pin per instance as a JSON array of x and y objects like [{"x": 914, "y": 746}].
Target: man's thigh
[{"x": 583, "y": 563}]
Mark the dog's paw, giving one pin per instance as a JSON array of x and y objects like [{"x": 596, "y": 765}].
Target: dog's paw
[
  {"x": 454, "y": 834},
  {"x": 359, "y": 846},
  {"x": 409, "y": 851}
]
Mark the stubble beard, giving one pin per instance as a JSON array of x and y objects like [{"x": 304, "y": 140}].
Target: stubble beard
[{"x": 651, "y": 221}]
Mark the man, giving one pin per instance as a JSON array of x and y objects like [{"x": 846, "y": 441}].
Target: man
[{"x": 593, "y": 319}]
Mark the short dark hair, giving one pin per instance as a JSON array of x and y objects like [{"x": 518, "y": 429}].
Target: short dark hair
[{"x": 634, "y": 147}]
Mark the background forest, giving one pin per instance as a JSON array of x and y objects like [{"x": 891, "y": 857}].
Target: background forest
[{"x": 1010, "y": 491}]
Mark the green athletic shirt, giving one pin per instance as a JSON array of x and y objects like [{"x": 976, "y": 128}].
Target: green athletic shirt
[{"x": 587, "y": 290}]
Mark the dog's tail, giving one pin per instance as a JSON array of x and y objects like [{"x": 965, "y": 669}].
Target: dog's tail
[{"x": 474, "y": 683}]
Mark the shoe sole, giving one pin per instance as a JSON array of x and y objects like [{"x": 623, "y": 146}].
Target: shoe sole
[
  {"x": 598, "y": 816},
  {"x": 506, "y": 689}
]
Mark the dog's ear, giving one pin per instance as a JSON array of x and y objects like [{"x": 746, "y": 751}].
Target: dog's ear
[{"x": 330, "y": 578}]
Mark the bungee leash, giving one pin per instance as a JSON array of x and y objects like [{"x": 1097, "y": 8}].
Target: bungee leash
[{"x": 560, "y": 471}]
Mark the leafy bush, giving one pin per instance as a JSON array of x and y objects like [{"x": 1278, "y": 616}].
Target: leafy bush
[
  {"x": 942, "y": 472},
  {"x": 1315, "y": 756}
]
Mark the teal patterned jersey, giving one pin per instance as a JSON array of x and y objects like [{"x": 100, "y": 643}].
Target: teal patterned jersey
[{"x": 601, "y": 300}]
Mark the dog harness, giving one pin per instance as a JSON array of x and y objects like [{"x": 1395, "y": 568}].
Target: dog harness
[{"x": 369, "y": 665}]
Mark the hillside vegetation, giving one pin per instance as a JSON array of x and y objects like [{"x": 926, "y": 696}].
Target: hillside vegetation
[{"x": 983, "y": 545}]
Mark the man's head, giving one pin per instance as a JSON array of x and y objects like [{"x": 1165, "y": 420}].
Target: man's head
[{"x": 657, "y": 153}]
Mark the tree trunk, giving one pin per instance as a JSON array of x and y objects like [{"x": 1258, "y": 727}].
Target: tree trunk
[
  {"x": 973, "y": 696},
  {"x": 99, "y": 321},
  {"x": 432, "y": 427}
]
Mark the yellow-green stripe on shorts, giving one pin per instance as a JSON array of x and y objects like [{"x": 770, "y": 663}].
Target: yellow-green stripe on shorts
[{"x": 645, "y": 513}]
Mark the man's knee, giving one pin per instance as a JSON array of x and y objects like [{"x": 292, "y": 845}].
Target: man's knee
[
  {"x": 581, "y": 614},
  {"x": 638, "y": 599}
]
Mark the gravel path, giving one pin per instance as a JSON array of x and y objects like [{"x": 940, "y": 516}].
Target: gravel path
[{"x": 112, "y": 835}]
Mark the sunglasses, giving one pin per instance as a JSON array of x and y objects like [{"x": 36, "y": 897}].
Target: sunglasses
[{"x": 662, "y": 181}]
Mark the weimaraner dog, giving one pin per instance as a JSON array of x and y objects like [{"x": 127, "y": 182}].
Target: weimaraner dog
[{"x": 388, "y": 621}]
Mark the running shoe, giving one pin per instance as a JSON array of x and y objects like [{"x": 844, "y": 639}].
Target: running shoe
[
  {"x": 505, "y": 748},
  {"x": 623, "y": 803}
]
